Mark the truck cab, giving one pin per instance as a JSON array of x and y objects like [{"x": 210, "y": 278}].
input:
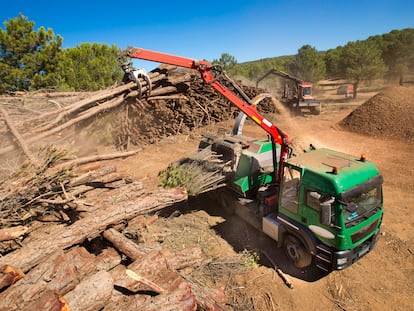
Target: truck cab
[{"x": 332, "y": 204}]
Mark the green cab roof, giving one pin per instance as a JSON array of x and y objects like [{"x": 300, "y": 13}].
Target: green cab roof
[{"x": 318, "y": 165}]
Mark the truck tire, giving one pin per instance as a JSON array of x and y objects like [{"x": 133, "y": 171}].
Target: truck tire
[{"x": 296, "y": 252}]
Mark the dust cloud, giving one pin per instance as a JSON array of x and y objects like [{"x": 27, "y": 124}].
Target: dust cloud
[{"x": 297, "y": 139}]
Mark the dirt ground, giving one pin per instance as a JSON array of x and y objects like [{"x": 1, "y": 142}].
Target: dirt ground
[{"x": 382, "y": 280}]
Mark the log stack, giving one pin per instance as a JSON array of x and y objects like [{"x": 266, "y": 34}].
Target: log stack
[{"x": 57, "y": 266}]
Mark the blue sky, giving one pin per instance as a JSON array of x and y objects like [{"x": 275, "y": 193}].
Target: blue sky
[{"x": 248, "y": 30}]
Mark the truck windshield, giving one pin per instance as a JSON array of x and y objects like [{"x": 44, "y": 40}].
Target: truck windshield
[
  {"x": 307, "y": 91},
  {"x": 361, "y": 205}
]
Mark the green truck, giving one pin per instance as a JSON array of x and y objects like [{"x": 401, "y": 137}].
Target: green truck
[
  {"x": 323, "y": 207},
  {"x": 327, "y": 209}
]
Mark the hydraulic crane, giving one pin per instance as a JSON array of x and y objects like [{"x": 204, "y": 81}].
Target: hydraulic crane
[{"x": 206, "y": 70}]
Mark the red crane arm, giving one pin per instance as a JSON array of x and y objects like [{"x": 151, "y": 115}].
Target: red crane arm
[{"x": 205, "y": 68}]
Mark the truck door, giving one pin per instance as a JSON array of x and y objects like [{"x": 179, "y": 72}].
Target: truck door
[{"x": 290, "y": 190}]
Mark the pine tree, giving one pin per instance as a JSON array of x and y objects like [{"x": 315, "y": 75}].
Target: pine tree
[{"x": 29, "y": 59}]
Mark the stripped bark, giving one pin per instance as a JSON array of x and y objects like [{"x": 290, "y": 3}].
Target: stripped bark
[{"x": 12, "y": 233}]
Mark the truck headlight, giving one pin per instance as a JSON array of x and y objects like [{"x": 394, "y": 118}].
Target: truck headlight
[{"x": 341, "y": 261}]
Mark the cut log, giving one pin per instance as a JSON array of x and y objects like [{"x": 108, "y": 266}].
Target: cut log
[
  {"x": 107, "y": 259},
  {"x": 92, "y": 293},
  {"x": 9, "y": 275},
  {"x": 123, "y": 244},
  {"x": 55, "y": 274},
  {"x": 119, "y": 209},
  {"x": 181, "y": 298},
  {"x": 153, "y": 267},
  {"x": 12, "y": 233},
  {"x": 54, "y": 277},
  {"x": 188, "y": 257},
  {"x": 82, "y": 262}
]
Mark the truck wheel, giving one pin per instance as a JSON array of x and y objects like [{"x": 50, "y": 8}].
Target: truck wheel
[{"x": 296, "y": 252}]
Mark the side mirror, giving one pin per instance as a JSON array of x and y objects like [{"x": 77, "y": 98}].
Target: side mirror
[{"x": 326, "y": 211}]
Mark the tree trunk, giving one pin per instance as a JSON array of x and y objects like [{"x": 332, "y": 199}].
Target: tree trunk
[{"x": 354, "y": 95}]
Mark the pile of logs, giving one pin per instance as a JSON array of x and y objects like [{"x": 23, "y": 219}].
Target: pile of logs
[
  {"x": 177, "y": 102},
  {"x": 57, "y": 265}
]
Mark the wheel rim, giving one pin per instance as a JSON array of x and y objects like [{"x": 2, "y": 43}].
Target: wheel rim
[
  {"x": 297, "y": 253},
  {"x": 292, "y": 251}
]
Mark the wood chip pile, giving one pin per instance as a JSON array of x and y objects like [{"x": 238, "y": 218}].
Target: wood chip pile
[{"x": 388, "y": 115}]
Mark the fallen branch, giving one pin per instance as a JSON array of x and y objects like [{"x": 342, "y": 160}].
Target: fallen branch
[
  {"x": 279, "y": 272},
  {"x": 95, "y": 158},
  {"x": 18, "y": 137},
  {"x": 90, "y": 113}
]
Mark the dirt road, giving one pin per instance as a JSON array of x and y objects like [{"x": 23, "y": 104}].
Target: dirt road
[{"x": 383, "y": 280}]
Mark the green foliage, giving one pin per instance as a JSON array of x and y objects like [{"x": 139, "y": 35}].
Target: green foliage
[
  {"x": 176, "y": 175},
  {"x": 250, "y": 260},
  {"x": 253, "y": 70},
  {"x": 29, "y": 59},
  {"x": 32, "y": 60},
  {"x": 333, "y": 62},
  {"x": 226, "y": 60},
  {"x": 397, "y": 51},
  {"x": 91, "y": 67},
  {"x": 387, "y": 55},
  {"x": 362, "y": 61},
  {"x": 309, "y": 64}
]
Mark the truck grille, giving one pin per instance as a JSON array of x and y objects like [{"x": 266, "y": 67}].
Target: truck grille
[{"x": 364, "y": 232}]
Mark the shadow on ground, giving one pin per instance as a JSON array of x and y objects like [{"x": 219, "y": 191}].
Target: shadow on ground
[{"x": 242, "y": 236}]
